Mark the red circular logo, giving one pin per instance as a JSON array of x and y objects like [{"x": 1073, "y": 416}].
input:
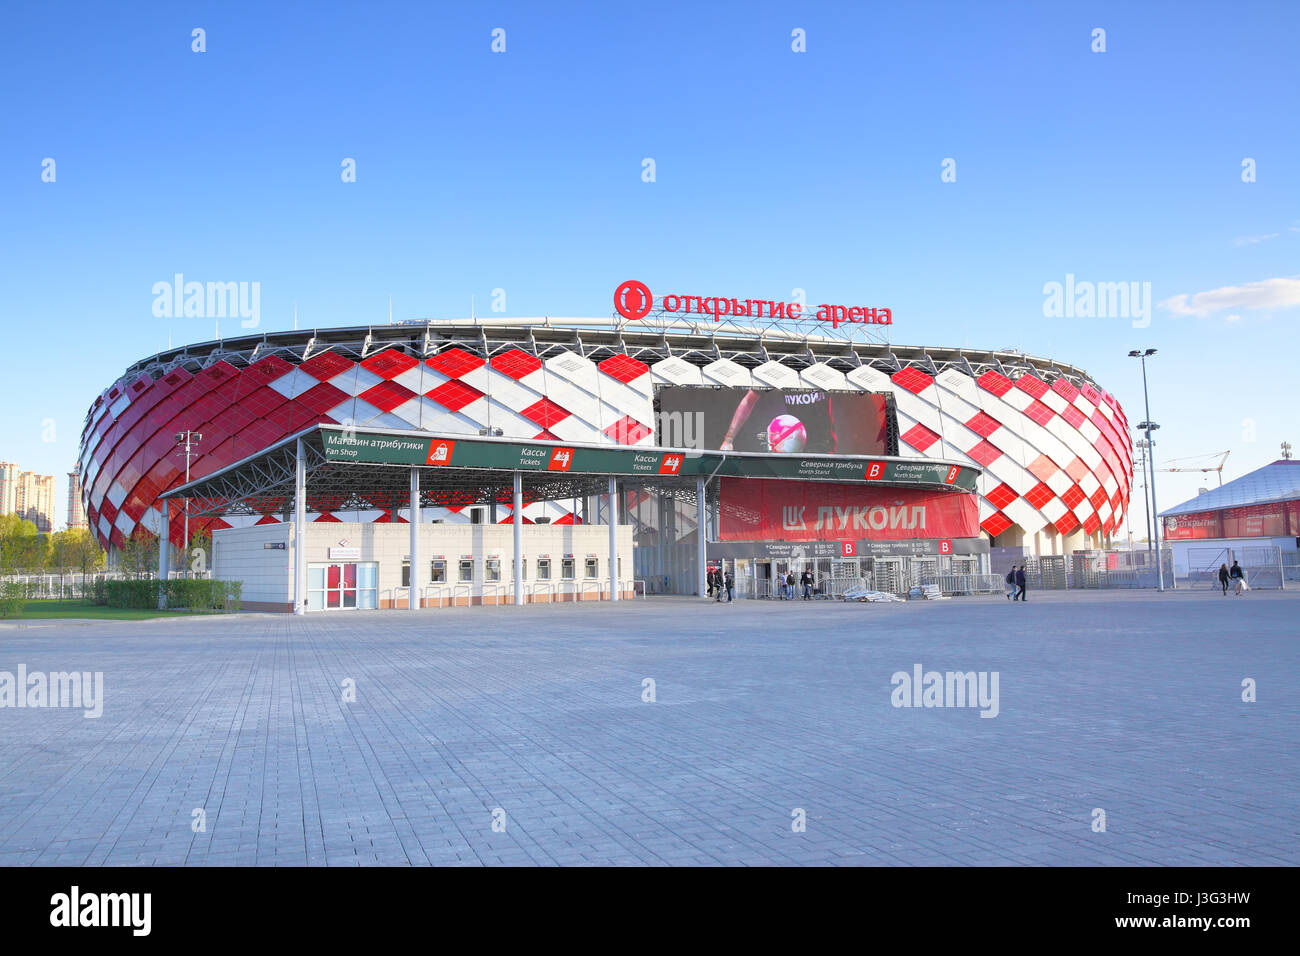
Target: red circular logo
[{"x": 633, "y": 300}]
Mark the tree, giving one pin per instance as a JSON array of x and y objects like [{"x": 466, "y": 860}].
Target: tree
[
  {"x": 140, "y": 556},
  {"x": 20, "y": 543},
  {"x": 72, "y": 550}
]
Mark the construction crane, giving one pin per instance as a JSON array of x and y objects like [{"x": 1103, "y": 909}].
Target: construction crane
[{"x": 1221, "y": 455}]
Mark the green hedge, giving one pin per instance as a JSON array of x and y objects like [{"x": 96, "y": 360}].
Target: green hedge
[
  {"x": 13, "y": 598},
  {"x": 195, "y": 594}
]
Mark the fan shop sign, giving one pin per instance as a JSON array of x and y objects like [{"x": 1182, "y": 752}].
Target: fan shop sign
[{"x": 634, "y": 301}]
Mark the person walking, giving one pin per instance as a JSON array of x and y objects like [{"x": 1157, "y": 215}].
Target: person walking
[
  {"x": 717, "y": 585},
  {"x": 1011, "y": 583},
  {"x": 1224, "y": 578},
  {"x": 1020, "y": 583},
  {"x": 730, "y": 582},
  {"x": 709, "y": 580},
  {"x": 1238, "y": 578},
  {"x": 806, "y": 579},
  {"x": 789, "y": 584}
]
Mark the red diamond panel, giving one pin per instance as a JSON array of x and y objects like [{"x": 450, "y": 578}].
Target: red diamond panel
[
  {"x": 1042, "y": 468},
  {"x": 1073, "y": 416},
  {"x": 321, "y": 398},
  {"x": 1032, "y": 385},
  {"x": 545, "y": 412},
  {"x": 389, "y": 363},
  {"x": 995, "y": 382},
  {"x": 1066, "y": 523},
  {"x": 1065, "y": 390},
  {"x": 1092, "y": 523},
  {"x": 1073, "y": 495},
  {"x": 1038, "y": 412},
  {"x": 985, "y": 453},
  {"x": 326, "y": 365},
  {"x": 268, "y": 369},
  {"x": 1098, "y": 497},
  {"x": 454, "y": 394},
  {"x": 627, "y": 431},
  {"x": 996, "y": 523},
  {"x": 516, "y": 364},
  {"x": 1076, "y": 469},
  {"x": 983, "y": 424},
  {"x": 1001, "y": 496},
  {"x": 388, "y": 395},
  {"x": 1039, "y": 495},
  {"x": 913, "y": 379},
  {"x": 623, "y": 367},
  {"x": 454, "y": 362},
  {"x": 544, "y": 435},
  {"x": 919, "y": 437}
]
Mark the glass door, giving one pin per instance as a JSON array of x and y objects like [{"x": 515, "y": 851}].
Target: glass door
[{"x": 342, "y": 586}]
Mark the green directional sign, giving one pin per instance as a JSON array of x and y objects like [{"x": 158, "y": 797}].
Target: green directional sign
[{"x": 550, "y": 457}]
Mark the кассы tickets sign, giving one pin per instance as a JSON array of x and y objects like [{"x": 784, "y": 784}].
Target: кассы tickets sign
[{"x": 633, "y": 300}]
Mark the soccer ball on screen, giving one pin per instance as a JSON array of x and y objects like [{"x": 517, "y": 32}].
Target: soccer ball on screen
[{"x": 786, "y": 434}]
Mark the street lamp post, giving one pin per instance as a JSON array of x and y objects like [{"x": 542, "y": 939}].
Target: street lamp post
[
  {"x": 188, "y": 439},
  {"x": 1149, "y": 426}
]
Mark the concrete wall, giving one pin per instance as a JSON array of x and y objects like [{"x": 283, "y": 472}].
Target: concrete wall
[{"x": 267, "y": 574}]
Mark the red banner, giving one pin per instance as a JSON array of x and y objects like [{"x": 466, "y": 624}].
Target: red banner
[
  {"x": 1255, "y": 521},
  {"x": 1193, "y": 527},
  {"x": 761, "y": 509}
]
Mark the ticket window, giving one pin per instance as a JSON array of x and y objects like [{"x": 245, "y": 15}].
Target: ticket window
[
  {"x": 438, "y": 572},
  {"x": 492, "y": 569},
  {"x": 543, "y": 569},
  {"x": 567, "y": 569},
  {"x": 591, "y": 568},
  {"x": 406, "y": 573},
  {"x": 466, "y": 569}
]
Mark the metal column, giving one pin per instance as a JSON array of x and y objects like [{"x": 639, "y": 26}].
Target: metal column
[
  {"x": 701, "y": 532},
  {"x": 611, "y": 517},
  {"x": 414, "y": 604},
  {"x": 299, "y": 532},
  {"x": 517, "y": 520},
  {"x": 164, "y": 551}
]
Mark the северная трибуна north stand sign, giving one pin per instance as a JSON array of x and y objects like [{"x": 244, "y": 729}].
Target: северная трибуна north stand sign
[{"x": 345, "y": 445}]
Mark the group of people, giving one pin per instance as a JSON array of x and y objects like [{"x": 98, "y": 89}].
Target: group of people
[
  {"x": 786, "y": 585},
  {"x": 1016, "y": 583},
  {"x": 720, "y": 582},
  {"x": 1236, "y": 576}
]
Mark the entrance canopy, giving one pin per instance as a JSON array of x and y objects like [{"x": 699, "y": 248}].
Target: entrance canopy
[{"x": 349, "y": 468}]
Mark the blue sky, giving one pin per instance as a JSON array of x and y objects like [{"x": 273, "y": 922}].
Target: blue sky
[{"x": 774, "y": 170}]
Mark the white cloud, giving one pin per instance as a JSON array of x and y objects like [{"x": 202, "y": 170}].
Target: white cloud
[
  {"x": 1253, "y": 240},
  {"x": 1233, "y": 318},
  {"x": 1280, "y": 293}
]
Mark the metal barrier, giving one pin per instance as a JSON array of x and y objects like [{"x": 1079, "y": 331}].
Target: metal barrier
[
  {"x": 587, "y": 586},
  {"x": 496, "y": 591},
  {"x": 623, "y": 587},
  {"x": 966, "y": 583},
  {"x": 540, "y": 587}
]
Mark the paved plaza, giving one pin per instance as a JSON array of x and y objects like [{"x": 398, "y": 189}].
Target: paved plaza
[{"x": 523, "y": 736}]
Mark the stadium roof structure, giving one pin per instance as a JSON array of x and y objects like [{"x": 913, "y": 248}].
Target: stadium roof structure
[
  {"x": 479, "y": 470},
  {"x": 597, "y": 338},
  {"x": 1279, "y": 481}
]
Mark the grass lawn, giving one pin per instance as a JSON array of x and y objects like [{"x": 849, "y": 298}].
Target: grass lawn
[{"x": 48, "y": 610}]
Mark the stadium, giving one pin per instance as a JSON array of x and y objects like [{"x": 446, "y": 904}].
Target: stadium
[{"x": 1046, "y": 448}]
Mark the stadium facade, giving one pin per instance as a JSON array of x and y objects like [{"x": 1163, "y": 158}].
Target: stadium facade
[{"x": 1051, "y": 447}]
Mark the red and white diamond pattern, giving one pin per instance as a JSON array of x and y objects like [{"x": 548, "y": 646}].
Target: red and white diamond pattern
[{"x": 1054, "y": 457}]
